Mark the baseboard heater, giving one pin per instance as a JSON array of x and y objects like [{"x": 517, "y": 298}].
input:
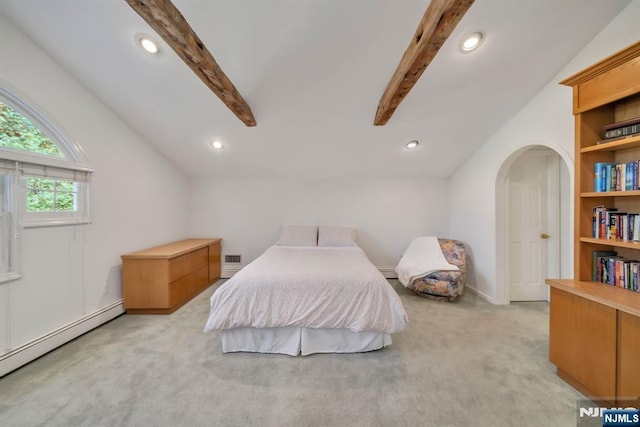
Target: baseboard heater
[{"x": 33, "y": 349}]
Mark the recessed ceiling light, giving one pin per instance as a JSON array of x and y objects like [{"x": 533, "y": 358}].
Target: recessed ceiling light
[
  {"x": 217, "y": 145},
  {"x": 472, "y": 41},
  {"x": 411, "y": 144},
  {"x": 147, "y": 43}
]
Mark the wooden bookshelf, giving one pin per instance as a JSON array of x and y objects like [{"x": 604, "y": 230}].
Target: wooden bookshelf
[
  {"x": 612, "y": 243},
  {"x": 629, "y": 193},
  {"x": 628, "y": 302},
  {"x": 592, "y": 324},
  {"x": 616, "y": 145}
]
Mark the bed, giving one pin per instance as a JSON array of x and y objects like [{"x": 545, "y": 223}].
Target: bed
[{"x": 319, "y": 295}]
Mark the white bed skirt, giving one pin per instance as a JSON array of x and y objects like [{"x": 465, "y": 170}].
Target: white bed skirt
[{"x": 294, "y": 340}]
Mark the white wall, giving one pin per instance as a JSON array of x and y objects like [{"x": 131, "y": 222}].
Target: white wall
[
  {"x": 71, "y": 274},
  {"x": 387, "y": 213},
  {"x": 546, "y": 120}
]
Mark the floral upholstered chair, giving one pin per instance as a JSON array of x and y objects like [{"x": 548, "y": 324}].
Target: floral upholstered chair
[{"x": 444, "y": 285}]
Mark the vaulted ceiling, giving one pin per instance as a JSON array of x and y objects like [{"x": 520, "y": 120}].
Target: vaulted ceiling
[{"x": 312, "y": 73}]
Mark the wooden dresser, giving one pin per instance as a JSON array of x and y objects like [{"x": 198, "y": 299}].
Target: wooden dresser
[{"x": 159, "y": 280}]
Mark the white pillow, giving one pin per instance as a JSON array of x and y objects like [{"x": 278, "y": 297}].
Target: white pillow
[
  {"x": 298, "y": 235},
  {"x": 336, "y": 236}
]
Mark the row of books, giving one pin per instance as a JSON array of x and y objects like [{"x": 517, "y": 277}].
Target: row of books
[
  {"x": 614, "y": 176},
  {"x": 608, "y": 223},
  {"x": 622, "y": 129},
  {"x": 611, "y": 269}
]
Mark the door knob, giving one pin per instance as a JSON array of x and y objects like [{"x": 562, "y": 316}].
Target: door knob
[{"x": 544, "y": 236}]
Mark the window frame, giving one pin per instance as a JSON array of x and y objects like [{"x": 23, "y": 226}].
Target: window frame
[
  {"x": 72, "y": 154},
  {"x": 30, "y": 219},
  {"x": 11, "y": 242},
  {"x": 17, "y": 165}
]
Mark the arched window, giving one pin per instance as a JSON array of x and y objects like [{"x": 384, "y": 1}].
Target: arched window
[
  {"x": 44, "y": 179},
  {"x": 19, "y": 133}
]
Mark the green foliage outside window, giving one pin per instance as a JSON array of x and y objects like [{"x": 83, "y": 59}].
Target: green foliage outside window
[
  {"x": 49, "y": 195},
  {"x": 16, "y": 131},
  {"x": 43, "y": 194}
]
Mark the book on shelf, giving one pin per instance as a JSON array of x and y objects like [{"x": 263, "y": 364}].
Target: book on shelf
[
  {"x": 623, "y": 131},
  {"x": 603, "y": 172},
  {"x": 622, "y": 128},
  {"x": 622, "y": 123},
  {"x": 611, "y": 224},
  {"x": 614, "y": 176},
  {"x": 603, "y": 221},
  {"x": 619, "y": 138},
  {"x": 611, "y": 269},
  {"x": 614, "y": 226},
  {"x": 596, "y": 274},
  {"x": 628, "y": 176},
  {"x": 633, "y": 230}
]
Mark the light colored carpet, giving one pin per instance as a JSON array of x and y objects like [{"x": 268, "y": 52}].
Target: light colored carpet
[{"x": 467, "y": 363}]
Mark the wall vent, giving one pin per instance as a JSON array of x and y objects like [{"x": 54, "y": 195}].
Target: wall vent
[{"x": 236, "y": 259}]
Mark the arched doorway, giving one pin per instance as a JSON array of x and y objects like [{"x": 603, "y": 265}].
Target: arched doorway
[{"x": 534, "y": 211}]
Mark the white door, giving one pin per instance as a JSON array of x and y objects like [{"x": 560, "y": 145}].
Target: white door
[{"x": 531, "y": 183}]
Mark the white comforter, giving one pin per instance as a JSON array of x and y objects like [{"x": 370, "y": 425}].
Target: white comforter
[{"x": 313, "y": 287}]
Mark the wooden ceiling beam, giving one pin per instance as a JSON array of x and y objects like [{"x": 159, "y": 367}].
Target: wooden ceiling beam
[
  {"x": 437, "y": 23},
  {"x": 174, "y": 29}
]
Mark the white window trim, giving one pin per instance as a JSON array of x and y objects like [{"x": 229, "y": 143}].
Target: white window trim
[
  {"x": 38, "y": 223},
  {"x": 13, "y": 240},
  {"x": 41, "y": 159},
  {"x": 7, "y": 277},
  {"x": 72, "y": 153},
  {"x": 55, "y": 218},
  {"x": 19, "y": 164},
  {"x": 22, "y": 171}
]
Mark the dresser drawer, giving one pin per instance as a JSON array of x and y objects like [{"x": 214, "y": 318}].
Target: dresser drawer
[
  {"x": 187, "y": 286},
  {"x": 179, "y": 266},
  {"x": 199, "y": 258}
]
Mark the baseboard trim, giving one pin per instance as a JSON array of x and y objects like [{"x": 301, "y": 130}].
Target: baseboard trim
[
  {"x": 389, "y": 273},
  {"x": 24, "y": 354},
  {"x": 480, "y": 294},
  {"x": 227, "y": 272}
]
